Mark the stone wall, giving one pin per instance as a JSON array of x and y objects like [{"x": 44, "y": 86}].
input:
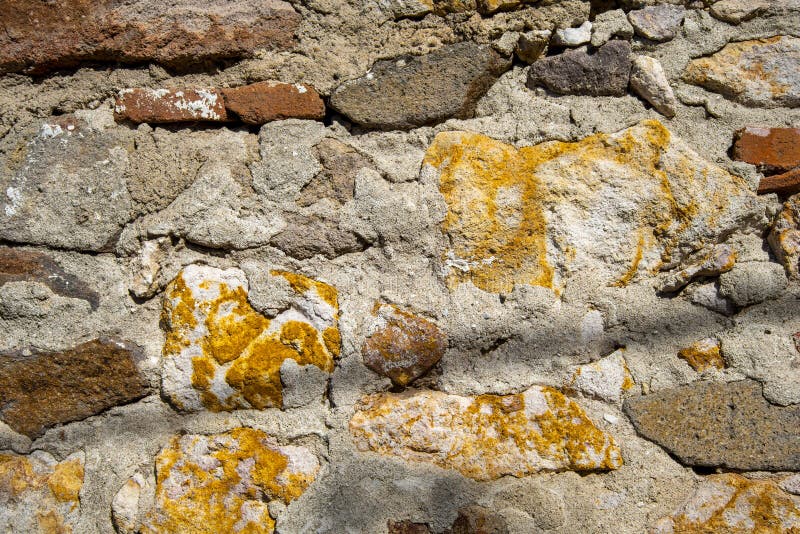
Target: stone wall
[{"x": 405, "y": 266}]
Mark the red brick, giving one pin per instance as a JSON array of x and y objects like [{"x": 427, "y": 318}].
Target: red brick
[
  {"x": 170, "y": 105},
  {"x": 787, "y": 183},
  {"x": 270, "y": 101},
  {"x": 771, "y": 149}
]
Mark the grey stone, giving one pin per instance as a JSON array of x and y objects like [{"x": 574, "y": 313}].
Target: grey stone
[
  {"x": 752, "y": 282},
  {"x": 657, "y": 23},
  {"x": 714, "y": 424},
  {"x": 573, "y": 37},
  {"x": 533, "y": 45},
  {"x": 410, "y": 91},
  {"x": 302, "y": 384},
  {"x": 576, "y": 72},
  {"x": 506, "y": 44},
  {"x": 736, "y": 11},
  {"x": 707, "y": 295},
  {"x": 650, "y": 82},
  {"x": 613, "y": 23},
  {"x": 305, "y": 237}
]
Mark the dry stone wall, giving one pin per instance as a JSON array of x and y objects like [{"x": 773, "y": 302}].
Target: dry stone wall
[{"x": 400, "y": 266}]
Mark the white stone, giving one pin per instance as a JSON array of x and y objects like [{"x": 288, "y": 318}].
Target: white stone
[{"x": 573, "y": 37}]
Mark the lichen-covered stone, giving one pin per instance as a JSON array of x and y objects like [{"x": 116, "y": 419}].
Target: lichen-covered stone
[
  {"x": 262, "y": 102},
  {"x": 221, "y": 354},
  {"x": 487, "y": 436},
  {"x": 657, "y": 23},
  {"x": 761, "y": 73},
  {"x": 607, "y": 379},
  {"x": 731, "y": 503},
  {"x": 717, "y": 424},
  {"x": 41, "y": 36},
  {"x": 170, "y": 105},
  {"x": 40, "y": 389},
  {"x": 770, "y": 149},
  {"x": 411, "y": 91},
  {"x": 535, "y": 215},
  {"x": 401, "y": 345},
  {"x": 224, "y": 482},
  {"x": 39, "y": 495},
  {"x": 703, "y": 354},
  {"x": 785, "y": 236}
]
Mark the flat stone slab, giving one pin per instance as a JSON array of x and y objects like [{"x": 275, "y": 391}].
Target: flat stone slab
[
  {"x": 714, "y": 424},
  {"x": 38, "y": 36},
  {"x": 576, "y": 72},
  {"x": 410, "y": 91}
]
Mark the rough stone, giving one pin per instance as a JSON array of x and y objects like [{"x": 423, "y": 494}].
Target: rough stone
[
  {"x": 170, "y": 105},
  {"x": 752, "y": 282},
  {"x": 407, "y": 527},
  {"x": 476, "y": 519},
  {"x": 609, "y": 24},
  {"x": 558, "y": 207},
  {"x": 263, "y": 102},
  {"x": 221, "y": 354},
  {"x": 650, "y": 82},
  {"x": 125, "y": 504},
  {"x": 737, "y": 11},
  {"x": 733, "y": 503},
  {"x": 658, "y": 23},
  {"x": 487, "y": 436},
  {"x": 707, "y": 295},
  {"x": 306, "y": 237},
  {"x": 68, "y": 189},
  {"x": 407, "y": 8},
  {"x": 791, "y": 484},
  {"x": 770, "y": 149},
  {"x": 401, "y": 345},
  {"x": 703, "y": 354},
  {"x": 787, "y": 183},
  {"x": 533, "y": 45},
  {"x": 487, "y": 7},
  {"x": 411, "y": 91},
  {"x": 760, "y": 73},
  {"x": 718, "y": 260},
  {"x": 38, "y": 37},
  {"x": 336, "y": 181},
  {"x": 784, "y": 238},
  {"x": 576, "y": 72},
  {"x": 506, "y": 44},
  {"x": 40, "y": 494},
  {"x": 606, "y": 379},
  {"x": 17, "y": 265},
  {"x": 302, "y": 385},
  {"x": 714, "y": 424},
  {"x": 224, "y": 482},
  {"x": 146, "y": 267},
  {"x": 42, "y": 389},
  {"x": 573, "y": 37}
]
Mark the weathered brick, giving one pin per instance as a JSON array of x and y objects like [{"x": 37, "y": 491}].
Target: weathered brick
[
  {"x": 170, "y": 105},
  {"x": 787, "y": 183},
  {"x": 771, "y": 149},
  {"x": 272, "y": 101}
]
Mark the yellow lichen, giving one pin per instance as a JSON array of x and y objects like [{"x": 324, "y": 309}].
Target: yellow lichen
[{"x": 703, "y": 355}]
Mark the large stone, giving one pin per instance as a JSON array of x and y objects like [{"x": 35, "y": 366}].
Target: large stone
[
  {"x": 770, "y": 149},
  {"x": 263, "y": 102},
  {"x": 18, "y": 265},
  {"x": 576, "y": 72},
  {"x": 306, "y": 237},
  {"x": 40, "y": 36},
  {"x": 225, "y": 482},
  {"x": 401, "y": 345},
  {"x": 713, "y": 424},
  {"x": 42, "y": 389},
  {"x": 785, "y": 236},
  {"x": 485, "y": 437},
  {"x": 39, "y": 494},
  {"x": 221, "y": 354},
  {"x": 658, "y": 23},
  {"x": 169, "y": 105},
  {"x": 760, "y": 73},
  {"x": 67, "y": 187},
  {"x": 650, "y": 82},
  {"x": 411, "y": 91},
  {"x": 731, "y": 503},
  {"x": 752, "y": 282},
  {"x": 736, "y": 11},
  {"x": 617, "y": 205}
]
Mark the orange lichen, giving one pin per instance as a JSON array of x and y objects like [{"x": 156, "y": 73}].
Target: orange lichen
[
  {"x": 248, "y": 471},
  {"x": 66, "y": 481},
  {"x": 302, "y": 284},
  {"x": 703, "y": 355}
]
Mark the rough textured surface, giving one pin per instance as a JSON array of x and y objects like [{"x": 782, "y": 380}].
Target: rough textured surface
[
  {"x": 715, "y": 424},
  {"x": 657, "y": 23},
  {"x": 270, "y": 101},
  {"x": 414, "y": 91},
  {"x": 169, "y": 105},
  {"x": 733, "y": 503},
  {"x": 41, "y": 389},
  {"x": 785, "y": 236},
  {"x": 762, "y": 72},
  {"x": 770, "y": 149},
  {"x": 38, "y": 36},
  {"x": 485, "y": 437},
  {"x": 703, "y": 354},
  {"x": 650, "y": 82},
  {"x": 221, "y": 354},
  {"x": 736, "y": 11},
  {"x": 604, "y": 73},
  {"x": 607, "y": 379},
  {"x": 752, "y": 282},
  {"x": 787, "y": 183}
]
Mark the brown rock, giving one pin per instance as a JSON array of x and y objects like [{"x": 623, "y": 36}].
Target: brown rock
[
  {"x": 38, "y": 36},
  {"x": 273, "y": 101},
  {"x": 716, "y": 424},
  {"x": 784, "y": 238},
  {"x": 340, "y": 164},
  {"x": 170, "y": 105},
  {"x": 42, "y": 389},
  {"x": 305, "y": 237},
  {"x": 407, "y": 527},
  {"x": 703, "y": 354},
  {"x": 18, "y": 265},
  {"x": 476, "y": 519},
  {"x": 787, "y": 183},
  {"x": 771, "y": 149},
  {"x": 402, "y": 346}
]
